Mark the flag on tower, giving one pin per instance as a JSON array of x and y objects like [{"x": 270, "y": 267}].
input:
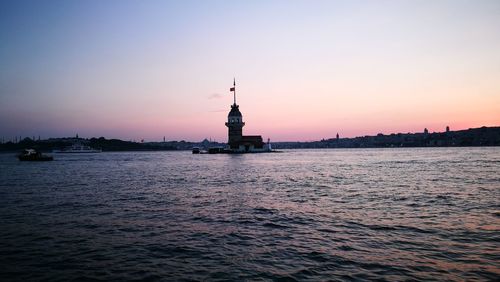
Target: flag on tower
[{"x": 234, "y": 86}]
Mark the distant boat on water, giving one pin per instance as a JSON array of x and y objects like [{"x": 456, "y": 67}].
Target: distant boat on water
[
  {"x": 33, "y": 156},
  {"x": 78, "y": 148}
]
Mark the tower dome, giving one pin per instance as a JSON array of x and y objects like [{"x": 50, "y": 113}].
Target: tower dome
[{"x": 235, "y": 111}]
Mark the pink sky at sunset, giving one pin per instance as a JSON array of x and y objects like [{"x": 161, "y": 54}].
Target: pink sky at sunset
[{"x": 304, "y": 70}]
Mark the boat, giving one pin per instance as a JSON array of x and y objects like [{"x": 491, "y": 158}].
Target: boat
[
  {"x": 78, "y": 148},
  {"x": 196, "y": 150},
  {"x": 216, "y": 150},
  {"x": 33, "y": 156}
]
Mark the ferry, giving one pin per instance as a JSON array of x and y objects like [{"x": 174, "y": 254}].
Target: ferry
[{"x": 78, "y": 148}]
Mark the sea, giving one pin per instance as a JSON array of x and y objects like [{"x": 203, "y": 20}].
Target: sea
[{"x": 418, "y": 214}]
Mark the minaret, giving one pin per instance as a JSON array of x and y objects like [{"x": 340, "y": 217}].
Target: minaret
[{"x": 234, "y": 122}]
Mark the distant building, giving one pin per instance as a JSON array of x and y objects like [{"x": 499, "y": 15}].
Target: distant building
[
  {"x": 447, "y": 129},
  {"x": 337, "y": 136},
  {"x": 236, "y": 140},
  {"x": 426, "y": 131}
]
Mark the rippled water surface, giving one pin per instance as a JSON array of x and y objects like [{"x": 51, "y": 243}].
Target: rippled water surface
[{"x": 392, "y": 214}]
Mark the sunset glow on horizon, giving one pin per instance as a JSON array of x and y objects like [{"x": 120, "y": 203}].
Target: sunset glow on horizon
[{"x": 304, "y": 70}]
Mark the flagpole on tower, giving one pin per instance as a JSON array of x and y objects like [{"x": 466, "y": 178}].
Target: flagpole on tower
[{"x": 234, "y": 87}]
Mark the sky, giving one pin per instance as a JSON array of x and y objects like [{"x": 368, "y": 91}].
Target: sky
[{"x": 304, "y": 70}]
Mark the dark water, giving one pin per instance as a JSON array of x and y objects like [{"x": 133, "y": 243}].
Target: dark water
[{"x": 390, "y": 214}]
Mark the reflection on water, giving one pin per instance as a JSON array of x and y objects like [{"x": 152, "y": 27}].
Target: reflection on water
[{"x": 430, "y": 214}]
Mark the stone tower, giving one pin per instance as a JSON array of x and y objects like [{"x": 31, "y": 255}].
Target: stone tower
[
  {"x": 234, "y": 122},
  {"x": 235, "y": 126}
]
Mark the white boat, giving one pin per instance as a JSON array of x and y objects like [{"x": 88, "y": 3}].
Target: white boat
[{"x": 78, "y": 148}]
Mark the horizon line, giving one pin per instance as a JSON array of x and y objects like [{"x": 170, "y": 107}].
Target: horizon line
[{"x": 213, "y": 140}]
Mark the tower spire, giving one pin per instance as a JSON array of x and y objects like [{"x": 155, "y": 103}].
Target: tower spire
[{"x": 233, "y": 89}]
